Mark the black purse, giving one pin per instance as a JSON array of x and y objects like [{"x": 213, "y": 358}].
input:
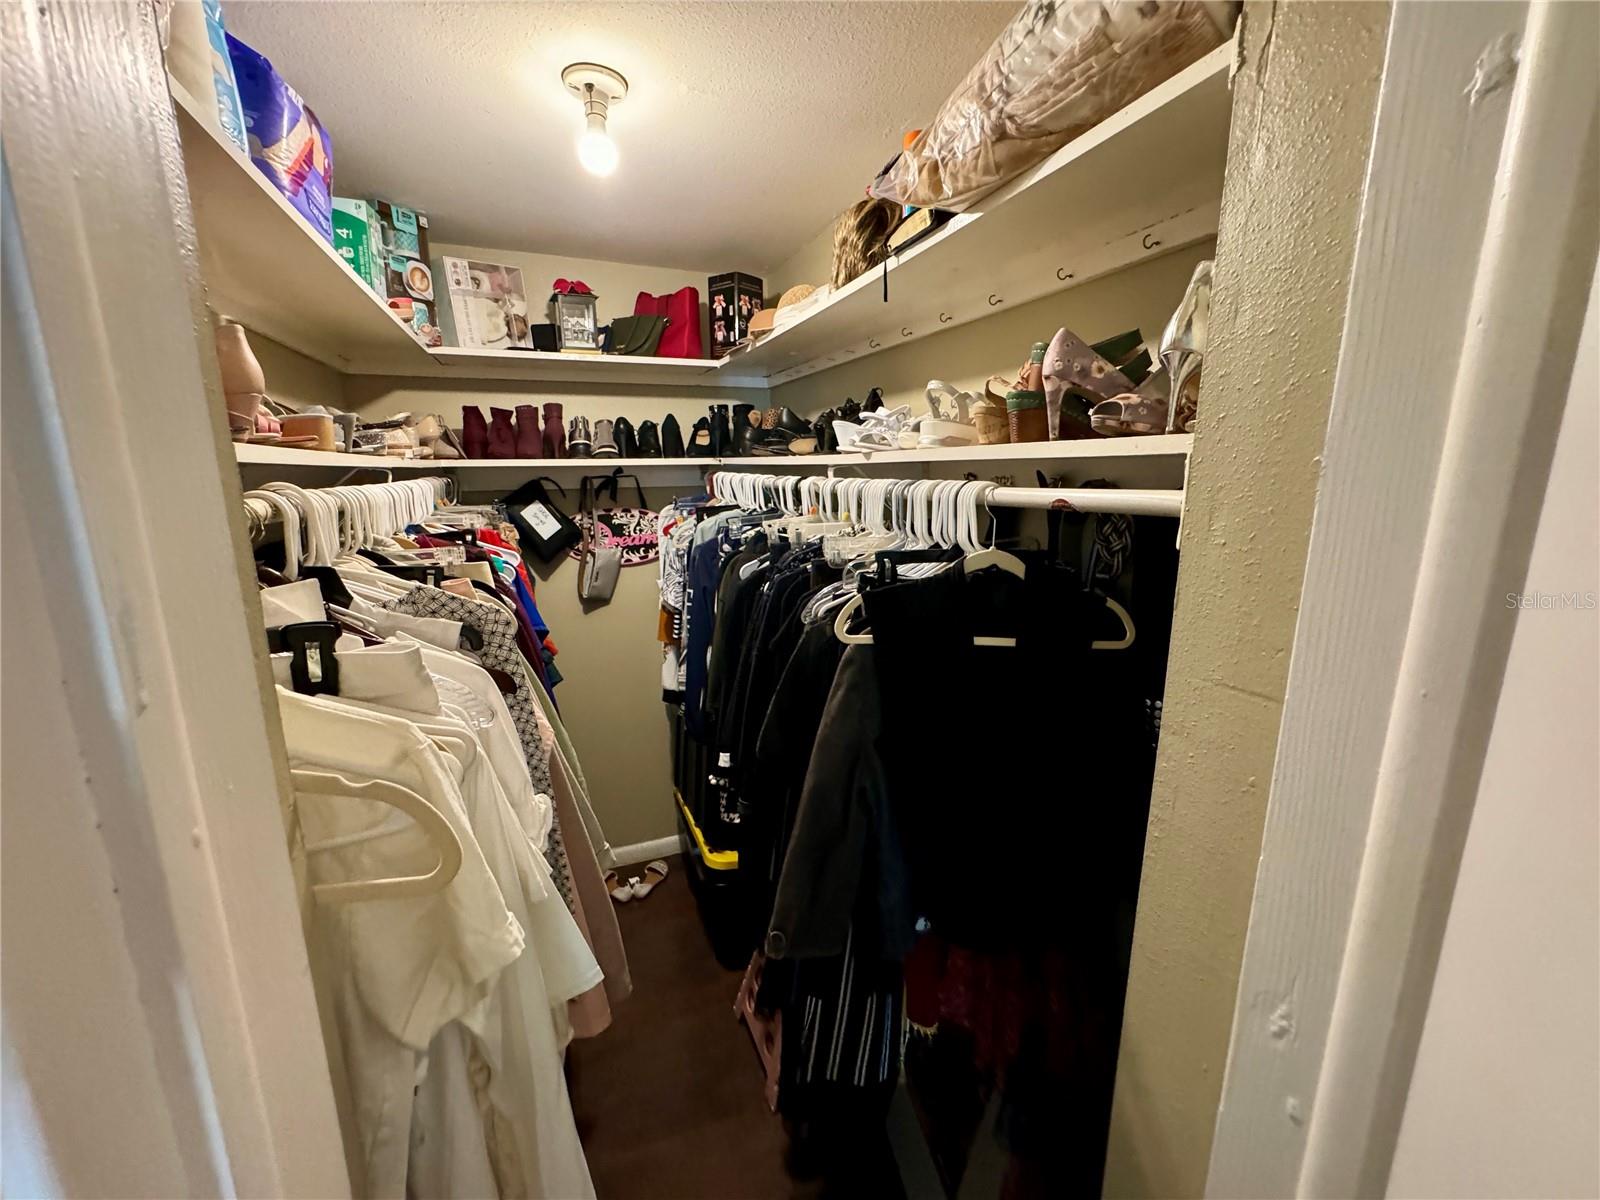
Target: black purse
[{"x": 542, "y": 528}]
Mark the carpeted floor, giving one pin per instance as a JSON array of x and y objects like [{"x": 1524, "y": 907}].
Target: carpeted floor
[{"x": 669, "y": 1099}]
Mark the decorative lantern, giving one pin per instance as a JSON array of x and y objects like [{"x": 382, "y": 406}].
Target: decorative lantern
[{"x": 572, "y": 312}]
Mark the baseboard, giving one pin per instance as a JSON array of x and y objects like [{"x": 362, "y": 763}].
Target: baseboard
[{"x": 642, "y": 852}]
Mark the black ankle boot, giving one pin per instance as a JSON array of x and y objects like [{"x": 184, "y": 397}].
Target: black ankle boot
[
  {"x": 649, "y": 440},
  {"x": 827, "y": 440},
  {"x": 627, "y": 441},
  {"x": 745, "y": 424},
  {"x": 721, "y": 432}
]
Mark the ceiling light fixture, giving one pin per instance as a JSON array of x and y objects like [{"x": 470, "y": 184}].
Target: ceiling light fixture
[{"x": 597, "y": 88}]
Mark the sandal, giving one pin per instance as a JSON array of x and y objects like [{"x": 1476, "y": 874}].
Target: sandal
[
  {"x": 620, "y": 892},
  {"x": 1129, "y": 413},
  {"x": 937, "y": 429},
  {"x": 654, "y": 873}
]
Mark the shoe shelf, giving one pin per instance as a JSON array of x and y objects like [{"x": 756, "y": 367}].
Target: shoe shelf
[
  {"x": 260, "y": 454},
  {"x": 1144, "y": 182},
  {"x": 1157, "y": 446}
]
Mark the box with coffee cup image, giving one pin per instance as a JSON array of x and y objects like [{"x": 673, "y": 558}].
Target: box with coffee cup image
[
  {"x": 482, "y": 305},
  {"x": 408, "y": 280}
]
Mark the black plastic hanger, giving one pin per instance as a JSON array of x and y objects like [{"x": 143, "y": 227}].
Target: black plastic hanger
[
  {"x": 313, "y": 669},
  {"x": 333, "y": 588}
]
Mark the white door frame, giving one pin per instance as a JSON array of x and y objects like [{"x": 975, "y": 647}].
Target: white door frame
[
  {"x": 1476, "y": 247},
  {"x": 114, "y": 432}
]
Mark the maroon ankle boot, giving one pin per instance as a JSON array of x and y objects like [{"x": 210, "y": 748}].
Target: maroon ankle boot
[
  {"x": 474, "y": 432},
  {"x": 502, "y": 434},
  {"x": 555, "y": 434},
  {"x": 529, "y": 442}
]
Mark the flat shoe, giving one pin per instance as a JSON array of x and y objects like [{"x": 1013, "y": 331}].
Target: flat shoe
[
  {"x": 654, "y": 873},
  {"x": 620, "y": 892}
]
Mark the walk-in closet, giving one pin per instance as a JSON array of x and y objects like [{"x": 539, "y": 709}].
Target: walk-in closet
[{"x": 759, "y": 600}]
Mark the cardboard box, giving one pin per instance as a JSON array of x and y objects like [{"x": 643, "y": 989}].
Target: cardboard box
[
  {"x": 407, "y": 278},
  {"x": 358, "y": 238},
  {"x": 482, "y": 305},
  {"x": 733, "y": 299}
]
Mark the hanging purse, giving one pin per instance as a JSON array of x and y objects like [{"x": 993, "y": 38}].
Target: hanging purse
[
  {"x": 599, "y": 564},
  {"x": 682, "y": 310},
  {"x": 542, "y": 528}
]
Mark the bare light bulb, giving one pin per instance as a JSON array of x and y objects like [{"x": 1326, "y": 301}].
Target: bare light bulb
[{"x": 596, "y": 151}]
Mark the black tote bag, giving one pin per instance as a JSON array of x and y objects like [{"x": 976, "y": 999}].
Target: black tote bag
[{"x": 542, "y": 529}]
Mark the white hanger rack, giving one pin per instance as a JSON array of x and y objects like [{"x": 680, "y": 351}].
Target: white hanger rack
[
  {"x": 832, "y": 496},
  {"x": 321, "y": 523}
]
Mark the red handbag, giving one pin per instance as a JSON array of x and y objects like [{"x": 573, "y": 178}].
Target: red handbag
[{"x": 682, "y": 311}]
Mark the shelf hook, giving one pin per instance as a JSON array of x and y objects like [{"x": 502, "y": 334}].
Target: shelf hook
[
  {"x": 1148, "y": 242},
  {"x": 993, "y": 300},
  {"x": 873, "y": 343},
  {"x": 944, "y": 318},
  {"x": 1063, "y": 274},
  {"x": 904, "y": 332}
]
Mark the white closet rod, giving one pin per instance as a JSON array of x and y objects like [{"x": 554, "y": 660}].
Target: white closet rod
[
  {"x": 1135, "y": 503},
  {"x": 1131, "y": 501}
]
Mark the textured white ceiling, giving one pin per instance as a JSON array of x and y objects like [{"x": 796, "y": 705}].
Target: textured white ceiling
[{"x": 747, "y": 126}]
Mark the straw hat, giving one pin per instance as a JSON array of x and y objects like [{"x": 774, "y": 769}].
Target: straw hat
[{"x": 762, "y": 322}]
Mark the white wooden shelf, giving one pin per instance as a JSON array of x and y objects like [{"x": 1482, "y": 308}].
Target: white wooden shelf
[
  {"x": 1144, "y": 182},
  {"x": 1156, "y": 446},
  {"x": 585, "y": 368},
  {"x": 266, "y": 267},
  {"x": 247, "y": 454}
]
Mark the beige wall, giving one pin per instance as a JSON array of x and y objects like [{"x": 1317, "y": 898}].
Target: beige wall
[
  {"x": 1141, "y": 297},
  {"x": 293, "y": 378},
  {"x": 1302, "y": 123},
  {"x": 610, "y": 697},
  {"x": 811, "y": 263}
]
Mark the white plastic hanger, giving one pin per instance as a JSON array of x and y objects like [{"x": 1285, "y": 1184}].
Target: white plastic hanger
[
  {"x": 980, "y": 557},
  {"x": 428, "y": 818}
]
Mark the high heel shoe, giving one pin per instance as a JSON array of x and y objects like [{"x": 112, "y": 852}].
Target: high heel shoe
[
  {"x": 502, "y": 434},
  {"x": 1183, "y": 346},
  {"x": 474, "y": 432},
  {"x": 555, "y": 434},
  {"x": 700, "y": 440},
  {"x": 671, "y": 438},
  {"x": 530, "y": 442},
  {"x": 1075, "y": 376}
]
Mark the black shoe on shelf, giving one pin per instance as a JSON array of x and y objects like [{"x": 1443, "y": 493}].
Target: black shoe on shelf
[{"x": 672, "y": 438}]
